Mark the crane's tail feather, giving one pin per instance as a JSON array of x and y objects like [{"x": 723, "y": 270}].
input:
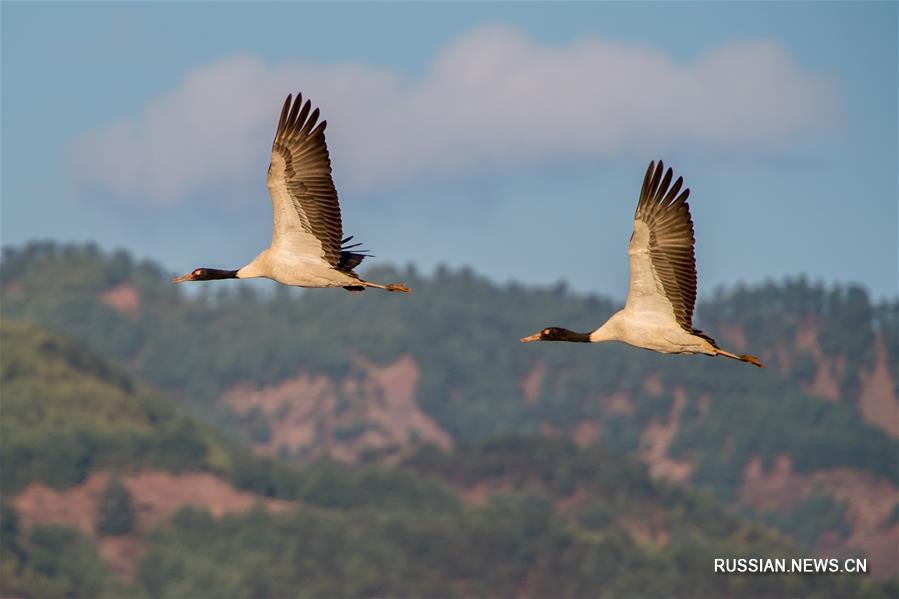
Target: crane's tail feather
[
  {"x": 344, "y": 246},
  {"x": 350, "y": 260}
]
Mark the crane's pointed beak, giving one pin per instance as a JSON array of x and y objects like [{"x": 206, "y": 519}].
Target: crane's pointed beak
[
  {"x": 528, "y": 339},
  {"x": 188, "y": 277}
]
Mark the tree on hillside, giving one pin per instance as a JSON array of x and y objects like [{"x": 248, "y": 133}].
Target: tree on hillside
[{"x": 116, "y": 509}]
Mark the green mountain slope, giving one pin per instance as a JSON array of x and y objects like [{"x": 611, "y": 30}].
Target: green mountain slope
[
  {"x": 817, "y": 420},
  {"x": 514, "y": 515},
  {"x": 67, "y": 412}
]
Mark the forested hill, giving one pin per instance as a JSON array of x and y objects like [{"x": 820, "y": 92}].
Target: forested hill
[
  {"x": 67, "y": 413},
  {"x": 808, "y": 443},
  {"x": 108, "y": 490}
]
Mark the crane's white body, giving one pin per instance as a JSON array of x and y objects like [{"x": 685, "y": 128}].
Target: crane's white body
[
  {"x": 291, "y": 268},
  {"x": 635, "y": 329},
  {"x": 647, "y": 319}
]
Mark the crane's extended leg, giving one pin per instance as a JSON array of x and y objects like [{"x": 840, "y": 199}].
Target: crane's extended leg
[
  {"x": 742, "y": 357},
  {"x": 396, "y": 287}
]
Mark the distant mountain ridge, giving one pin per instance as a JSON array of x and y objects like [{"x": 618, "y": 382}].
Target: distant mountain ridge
[{"x": 821, "y": 419}]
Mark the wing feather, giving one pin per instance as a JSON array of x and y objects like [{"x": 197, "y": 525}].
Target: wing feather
[
  {"x": 306, "y": 207},
  {"x": 663, "y": 263}
]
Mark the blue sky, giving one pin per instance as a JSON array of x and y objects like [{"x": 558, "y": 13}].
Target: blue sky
[{"x": 508, "y": 137}]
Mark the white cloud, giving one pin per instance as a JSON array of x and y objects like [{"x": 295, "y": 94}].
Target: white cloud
[{"x": 494, "y": 97}]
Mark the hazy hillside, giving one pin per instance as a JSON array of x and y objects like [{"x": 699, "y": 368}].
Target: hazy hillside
[
  {"x": 808, "y": 444},
  {"x": 514, "y": 515},
  {"x": 67, "y": 413}
]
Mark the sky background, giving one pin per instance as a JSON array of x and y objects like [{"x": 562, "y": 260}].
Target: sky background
[{"x": 511, "y": 138}]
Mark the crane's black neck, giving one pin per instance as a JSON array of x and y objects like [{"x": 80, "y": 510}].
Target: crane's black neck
[
  {"x": 212, "y": 274},
  {"x": 560, "y": 334},
  {"x": 573, "y": 336}
]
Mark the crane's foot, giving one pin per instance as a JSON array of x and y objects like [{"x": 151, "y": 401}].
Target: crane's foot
[{"x": 751, "y": 359}]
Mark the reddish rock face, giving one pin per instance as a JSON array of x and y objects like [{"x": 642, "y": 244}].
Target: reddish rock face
[
  {"x": 878, "y": 401},
  {"x": 124, "y": 299},
  {"x": 156, "y": 496},
  {"x": 826, "y": 384},
  {"x": 373, "y": 409},
  {"x": 655, "y": 440},
  {"x": 532, "y": 383}
]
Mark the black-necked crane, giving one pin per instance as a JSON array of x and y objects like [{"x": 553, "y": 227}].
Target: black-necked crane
[
  {"x": 308, "y": 248},
  {"x": 658, "y": 314}
]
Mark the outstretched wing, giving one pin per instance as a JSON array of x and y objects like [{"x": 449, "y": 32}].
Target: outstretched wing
[
  {"x": 663, "y": 266},
  {"x": 307, "y": 212}
]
